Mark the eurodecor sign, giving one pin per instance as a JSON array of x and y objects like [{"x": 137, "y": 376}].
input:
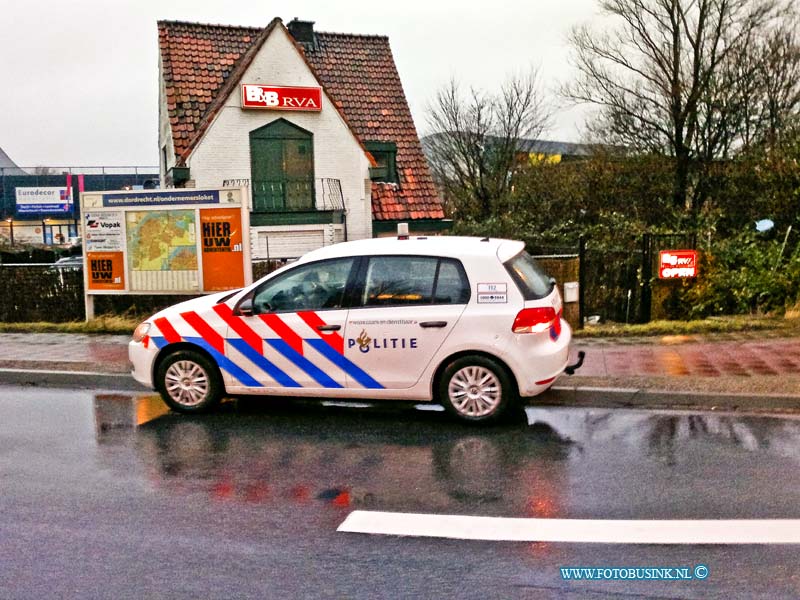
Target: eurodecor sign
[
  {"x": 674, "y": 264},
  {"x": 272, "y": 97},
  {"x": 43, "y": 200}
]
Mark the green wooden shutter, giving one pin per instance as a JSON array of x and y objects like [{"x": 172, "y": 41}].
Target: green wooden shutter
[{"x": 282, "y": 168}]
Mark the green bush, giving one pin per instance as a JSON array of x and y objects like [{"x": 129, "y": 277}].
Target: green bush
[{"x": 743, "y": 275}]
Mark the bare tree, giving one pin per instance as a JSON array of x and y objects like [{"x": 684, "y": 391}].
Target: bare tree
[
  {"x": 664, "y": 75},
  {"x": 473, "y": 143}
]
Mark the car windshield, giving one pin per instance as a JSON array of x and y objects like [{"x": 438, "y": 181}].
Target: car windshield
[{"x": 531, "y": 280}]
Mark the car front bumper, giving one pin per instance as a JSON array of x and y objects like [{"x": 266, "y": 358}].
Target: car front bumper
[{"x": 142, "y": 358}]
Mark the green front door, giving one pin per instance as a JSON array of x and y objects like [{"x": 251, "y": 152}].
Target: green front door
[{"x": 282, "y": 168}]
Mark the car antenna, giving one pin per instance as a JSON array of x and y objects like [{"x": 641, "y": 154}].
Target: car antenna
[{"x": 486, "y": 239}]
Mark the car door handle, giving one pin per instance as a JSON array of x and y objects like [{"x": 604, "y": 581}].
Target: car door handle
[
  {"x": 427, "y": 324},
  {"x": 328, "y": 327}
]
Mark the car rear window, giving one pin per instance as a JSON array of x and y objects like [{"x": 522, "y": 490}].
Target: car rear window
[{"x": 531, "y": 280}]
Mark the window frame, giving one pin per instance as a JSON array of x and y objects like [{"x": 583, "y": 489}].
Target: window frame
[
  {"x": 282, "y": 130},
  {"x": 347, "y": 298},
  {"x": 361, "y": 281},
  {"x": 390, "y": 150}
]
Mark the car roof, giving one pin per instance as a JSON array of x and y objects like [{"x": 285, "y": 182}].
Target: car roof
[{"x": 447, "y": 246}]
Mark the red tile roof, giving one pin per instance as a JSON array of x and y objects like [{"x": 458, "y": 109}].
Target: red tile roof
[{"x": 202, "y": 65}]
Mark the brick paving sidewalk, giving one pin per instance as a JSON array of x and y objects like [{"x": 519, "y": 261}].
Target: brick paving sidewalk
[
  {"x": 703, "y": 358},
  {"x": 684, "y": 360},
  {"x": 64, "y": 351}
]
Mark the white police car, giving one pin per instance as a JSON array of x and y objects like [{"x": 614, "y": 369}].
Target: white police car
[{"x": 471, "y": 323}]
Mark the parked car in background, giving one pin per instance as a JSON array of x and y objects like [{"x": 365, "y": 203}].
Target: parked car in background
[{"x": 69, "y": 262}]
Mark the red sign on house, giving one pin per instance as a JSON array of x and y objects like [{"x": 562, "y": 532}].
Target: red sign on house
[
  {"x": 272, "y": 97},
  {"x": 677, "y": 263}
]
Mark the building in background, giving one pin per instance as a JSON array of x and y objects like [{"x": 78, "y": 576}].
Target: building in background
[
  {"x": 315, "y": 124},
  {"x": 41, "y": 205},
  {"x": 8, "y": 166}
]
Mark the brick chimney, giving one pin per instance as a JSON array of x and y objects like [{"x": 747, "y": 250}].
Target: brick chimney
[{"x": 302, "y": 31}]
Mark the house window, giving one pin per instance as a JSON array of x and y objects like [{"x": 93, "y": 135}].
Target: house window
[
  {"x": 282, "y": 168},
  {"x": 385, "y": 154}
]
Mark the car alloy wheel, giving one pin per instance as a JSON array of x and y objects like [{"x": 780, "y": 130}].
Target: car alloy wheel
[
  {"x": 475, "y": 391},
  {"x": 186, "y": 383},
  {"x": 476, "y": 388}
]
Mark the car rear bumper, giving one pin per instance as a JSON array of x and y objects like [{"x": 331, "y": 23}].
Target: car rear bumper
[{"x": 544, "y": 363}]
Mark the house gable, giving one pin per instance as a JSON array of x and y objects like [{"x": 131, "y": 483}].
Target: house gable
[{"x": 203, "y": 64}]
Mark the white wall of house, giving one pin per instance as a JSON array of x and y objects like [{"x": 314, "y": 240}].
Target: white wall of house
[
  {"x": 224, "y": 151},
  {"x": 166, "y": 147}
]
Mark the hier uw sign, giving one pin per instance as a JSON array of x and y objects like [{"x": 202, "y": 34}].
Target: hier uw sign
[
  {"x": 272, "y": 97},
  {"x": 673, "y": 264}
]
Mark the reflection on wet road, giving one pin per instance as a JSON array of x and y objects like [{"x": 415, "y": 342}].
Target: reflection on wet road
[
  {"x": 111, "y": 490},
  {"x": 572, "y": 463}
]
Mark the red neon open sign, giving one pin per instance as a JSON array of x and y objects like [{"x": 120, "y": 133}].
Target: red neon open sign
[{"x": 677, "y": 263}]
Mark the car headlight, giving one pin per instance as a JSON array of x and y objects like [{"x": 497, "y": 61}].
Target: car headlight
[{"x": 140, "y": 332}]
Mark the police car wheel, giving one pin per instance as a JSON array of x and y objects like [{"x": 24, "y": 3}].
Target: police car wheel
[
  {"x": 189, "y": 382},
  {"x": 476, "y": 389}
]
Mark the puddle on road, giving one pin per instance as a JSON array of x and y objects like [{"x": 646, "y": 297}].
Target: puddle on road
[{"x": 547, "y": 462}]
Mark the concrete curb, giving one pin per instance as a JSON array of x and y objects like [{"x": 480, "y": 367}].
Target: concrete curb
[
  {"x": 577, "y": 396},
  {"x": 642, "y": 398},
  {"x": 70, "y": 379}
]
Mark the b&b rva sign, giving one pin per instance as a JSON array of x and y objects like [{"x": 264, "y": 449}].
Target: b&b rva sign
[{"x": 272, "y": 97}]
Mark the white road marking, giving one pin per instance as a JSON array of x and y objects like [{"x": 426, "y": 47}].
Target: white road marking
[{"x": 592, "y": 531}]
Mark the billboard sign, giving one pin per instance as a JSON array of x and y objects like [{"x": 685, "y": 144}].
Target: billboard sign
[
  {"x": 271, "y": 97},
  {"x": 674, "y": 264},
  {"x": 44, "y": 200},
  {"x": 163, "y": 198},
  {"x": 165, "y": 242}
]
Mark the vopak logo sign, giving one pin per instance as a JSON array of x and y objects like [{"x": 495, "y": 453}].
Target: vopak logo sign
[{"x": 272, "y": 97}]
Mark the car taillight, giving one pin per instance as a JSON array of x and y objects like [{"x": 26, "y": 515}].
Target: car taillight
[{"x": 534, "y": 320}]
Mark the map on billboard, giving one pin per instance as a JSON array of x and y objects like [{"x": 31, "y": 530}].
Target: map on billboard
[{"x": 162, "y": 250}]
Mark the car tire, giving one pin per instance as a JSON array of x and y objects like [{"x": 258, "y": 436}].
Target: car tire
[
  {"x": 477, "y": 389},
  {"x": 189, "y": 382}
]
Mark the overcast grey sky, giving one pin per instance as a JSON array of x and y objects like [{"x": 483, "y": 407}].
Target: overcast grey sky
[{"x": 80, "y": 76}]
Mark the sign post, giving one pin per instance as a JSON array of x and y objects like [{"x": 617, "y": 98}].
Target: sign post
[{"x": 165, "y": 242}]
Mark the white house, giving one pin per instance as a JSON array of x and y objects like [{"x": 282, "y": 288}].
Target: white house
[{"x": 315, "y": 124}]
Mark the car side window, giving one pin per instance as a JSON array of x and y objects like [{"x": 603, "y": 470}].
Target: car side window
[
  {"x": 309, "y": 287},
  {"x": 412, "y": 280},
  {"x": 452, "y": 286},
  {"x": 399, "y": 280}
]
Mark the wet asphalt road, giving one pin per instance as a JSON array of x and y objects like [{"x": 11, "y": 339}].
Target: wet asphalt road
[{"x": 104, "y": 496}]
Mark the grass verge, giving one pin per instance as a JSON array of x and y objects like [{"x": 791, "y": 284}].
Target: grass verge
[
  {"x": 701, "y": 326},
  {"x": 102, "y": 324}
]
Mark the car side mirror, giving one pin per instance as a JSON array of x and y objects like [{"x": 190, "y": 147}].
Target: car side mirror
[{"x": 244, "y": 308}]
